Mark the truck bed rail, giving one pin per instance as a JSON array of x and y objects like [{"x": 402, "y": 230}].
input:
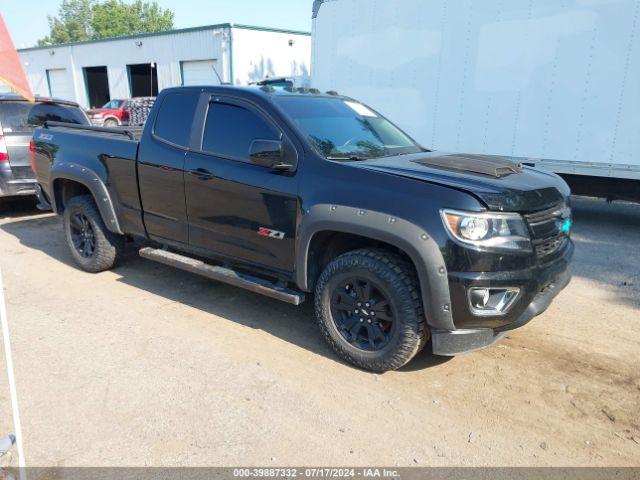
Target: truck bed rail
[{"x": 91, "y": 128}]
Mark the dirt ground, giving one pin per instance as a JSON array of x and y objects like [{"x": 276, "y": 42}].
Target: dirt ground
[{"x": 146, "y": 365}]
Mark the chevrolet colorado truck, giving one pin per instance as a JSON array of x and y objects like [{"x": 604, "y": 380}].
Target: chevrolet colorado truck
[{"x": 288, "y": 192}]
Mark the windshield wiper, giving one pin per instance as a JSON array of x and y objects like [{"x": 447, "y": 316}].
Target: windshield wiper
[{"x": 352, "y": 158}]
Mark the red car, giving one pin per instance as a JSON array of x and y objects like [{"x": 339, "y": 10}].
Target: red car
[{"x": 112, "y": 114}]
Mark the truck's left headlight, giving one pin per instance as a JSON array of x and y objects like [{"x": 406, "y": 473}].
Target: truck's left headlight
[{"x": 488, "y": 230}]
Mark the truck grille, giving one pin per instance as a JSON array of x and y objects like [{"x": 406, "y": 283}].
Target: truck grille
[{"x": 546, "y": 227}]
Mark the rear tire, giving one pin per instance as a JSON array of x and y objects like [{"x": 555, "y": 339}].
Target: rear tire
[
  {"x": 110, "y": 123},
  {"x": 369, "y": 309},
  {"x": 93, "y": 247}
]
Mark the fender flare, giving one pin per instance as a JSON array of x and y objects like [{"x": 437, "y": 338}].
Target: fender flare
[
  {"x": 410, "y": 238},
  {"x": 91, "y": 180}
]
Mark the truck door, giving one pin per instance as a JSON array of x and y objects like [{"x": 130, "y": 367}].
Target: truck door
[
  {"x": 161, "y": 168},
  {"x": 237, "y": 209}
]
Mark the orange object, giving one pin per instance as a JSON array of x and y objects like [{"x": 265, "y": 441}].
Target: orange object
[{"x": 11, "y": 71}]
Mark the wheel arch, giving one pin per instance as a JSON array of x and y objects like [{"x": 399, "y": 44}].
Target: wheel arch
[
  {"x": 322, "y": 222},
  {"x": 112, "y": 117},
  {"x": 69, "y": 180}
]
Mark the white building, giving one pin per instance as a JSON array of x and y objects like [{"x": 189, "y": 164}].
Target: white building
[{"x": 93, "y": 72}]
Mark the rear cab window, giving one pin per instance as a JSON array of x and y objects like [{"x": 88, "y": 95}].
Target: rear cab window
[
  {"x": 175, "y": 118},
  {"x": 25, "y": 116}
]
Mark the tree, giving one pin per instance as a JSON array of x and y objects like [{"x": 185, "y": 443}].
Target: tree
[
  {"x": 73, "y": 23},
  {"x": 114, "y": 18},
  {"x": 80, "y": 20}
]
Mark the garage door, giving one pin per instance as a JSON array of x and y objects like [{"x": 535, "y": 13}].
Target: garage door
[
  {"x": 60, "y": 85},
  {"x": 199, "y": 72}
]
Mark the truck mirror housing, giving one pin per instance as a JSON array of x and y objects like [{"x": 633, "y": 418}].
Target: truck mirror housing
[{"x": 269, "y": 154}]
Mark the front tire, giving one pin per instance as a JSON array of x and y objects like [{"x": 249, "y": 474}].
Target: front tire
[
  {"x": 92, "y": 245},
  {"x": 369, "y": 310},
  {"x": 111, "y": 123}
]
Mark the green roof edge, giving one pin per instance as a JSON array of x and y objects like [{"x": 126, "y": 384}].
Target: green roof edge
[{"x": 169, "y": 32}]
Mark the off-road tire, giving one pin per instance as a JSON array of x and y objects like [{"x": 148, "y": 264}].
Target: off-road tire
[
  {"x": 109, "y": 247},
  {"x": 398, "y": 277}
]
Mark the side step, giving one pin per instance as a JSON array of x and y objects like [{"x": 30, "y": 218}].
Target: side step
[{"x": 226, "y": 275}]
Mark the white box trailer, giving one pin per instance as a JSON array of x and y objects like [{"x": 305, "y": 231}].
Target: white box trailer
[{"x": 554, "y": 83}]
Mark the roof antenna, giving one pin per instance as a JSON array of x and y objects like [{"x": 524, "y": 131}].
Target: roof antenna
[{"x": 219, "y": 77}]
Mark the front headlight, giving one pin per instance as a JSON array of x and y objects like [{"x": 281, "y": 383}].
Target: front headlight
[{"x": 487, "y": 230}]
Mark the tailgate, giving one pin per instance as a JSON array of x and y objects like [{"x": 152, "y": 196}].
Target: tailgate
[
  {"x": 16, "y": 134},
  {"x": 19, "y": 156}
]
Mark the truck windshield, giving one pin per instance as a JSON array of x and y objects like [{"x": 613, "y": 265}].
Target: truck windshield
[
  {"x": 343, "y": 129},
  {"x": 113, "y": 104}
]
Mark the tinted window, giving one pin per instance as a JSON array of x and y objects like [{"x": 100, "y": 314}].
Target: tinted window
[
  {"x": 230, "y": 130},
  {"x": 13, "y": 116},
  {"x": 43, "y": 112},
  {"x": 23, "y": 116},
  {"x": 176, "y": 116}
]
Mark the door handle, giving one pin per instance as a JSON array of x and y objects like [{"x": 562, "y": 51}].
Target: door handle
[{"x": 202, "y": 174}]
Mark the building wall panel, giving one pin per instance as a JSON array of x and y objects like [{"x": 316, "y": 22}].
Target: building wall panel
[{"x": 259, "y": 53}]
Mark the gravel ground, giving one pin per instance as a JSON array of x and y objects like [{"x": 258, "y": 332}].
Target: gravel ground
[{"x": 146, "y": 365}]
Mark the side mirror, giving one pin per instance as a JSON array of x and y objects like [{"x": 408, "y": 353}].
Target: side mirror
[{"x": 269, "y": 154}]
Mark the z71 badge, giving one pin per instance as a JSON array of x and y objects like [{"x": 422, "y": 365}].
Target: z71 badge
[{"x": 267, "y": 232}]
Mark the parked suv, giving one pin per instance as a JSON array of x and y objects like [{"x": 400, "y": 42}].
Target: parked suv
[
  {"x": 289, "y": 191},
  {"x": 18, "y": 118},
  {"x": 112, "y": 114}
]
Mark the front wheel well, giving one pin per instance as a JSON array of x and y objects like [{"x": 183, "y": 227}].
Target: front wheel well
[
  {"x": 65, "y": 189},
  {"x": 328, "y": 245}
]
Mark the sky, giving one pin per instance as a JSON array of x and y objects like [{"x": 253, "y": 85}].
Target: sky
[{"x": 27, "y": 19}]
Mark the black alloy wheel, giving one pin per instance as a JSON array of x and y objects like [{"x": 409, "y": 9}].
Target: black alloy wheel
[
  {"x": 369, "y": 309},
  {"x": 82, "y": 235},
  {"x": 363, "y": 314},
  {"x": 93, "y": 247}
]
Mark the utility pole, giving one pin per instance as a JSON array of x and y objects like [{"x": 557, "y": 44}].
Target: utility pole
[{"x": 151, "y": 85}]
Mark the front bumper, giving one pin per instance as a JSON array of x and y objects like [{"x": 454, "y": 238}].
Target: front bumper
[
  {"x": 456, "y": 342},
  {"x": 550, "y": 280}
]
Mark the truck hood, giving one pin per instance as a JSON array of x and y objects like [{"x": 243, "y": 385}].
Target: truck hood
[{"x": 497, "y": 181}]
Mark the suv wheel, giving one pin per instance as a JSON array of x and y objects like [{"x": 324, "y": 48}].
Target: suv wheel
[
  {"x": 369, "y": 310},
  {"x": 93, "y": 247},
  {"x": 110, "y": 123}
]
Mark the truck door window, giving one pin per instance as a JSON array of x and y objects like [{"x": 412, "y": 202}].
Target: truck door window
[
  {"x": 230, "y": 130},
  {"x": 175, "y": 117}
]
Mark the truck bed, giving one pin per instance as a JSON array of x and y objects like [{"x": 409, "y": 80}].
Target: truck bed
[
  {"x": 131, "y": 132},
  {"x": 93, "y": 156}
]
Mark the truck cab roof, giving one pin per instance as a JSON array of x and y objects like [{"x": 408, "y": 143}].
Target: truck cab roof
[
  {"x": 264, "y": 92},
  {"x": 14, "y": 97}
]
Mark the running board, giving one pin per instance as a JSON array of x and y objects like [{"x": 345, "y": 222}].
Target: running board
[{"x": 222, "y": 274}]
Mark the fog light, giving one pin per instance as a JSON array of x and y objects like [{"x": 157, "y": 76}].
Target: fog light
[{"x": 492, "y": 301}]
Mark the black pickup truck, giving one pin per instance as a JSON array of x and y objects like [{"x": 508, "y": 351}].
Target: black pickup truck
[{"x": 291, "y": 191}]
